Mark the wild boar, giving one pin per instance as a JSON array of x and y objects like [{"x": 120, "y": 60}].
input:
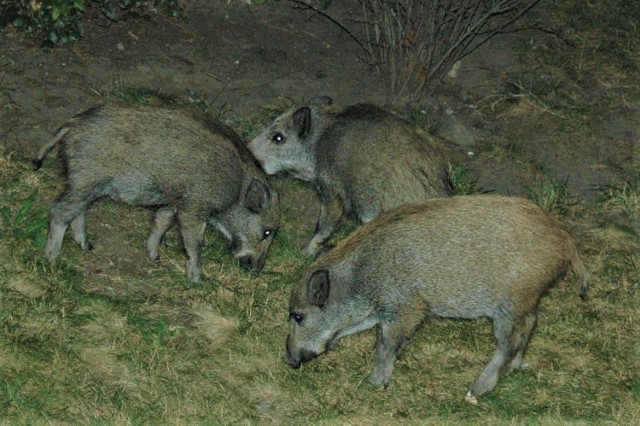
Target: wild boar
[
  {"x": 459, "y": 257},
  {"x": 362, "y": 159},
  {"x": 187, "y": 166}
]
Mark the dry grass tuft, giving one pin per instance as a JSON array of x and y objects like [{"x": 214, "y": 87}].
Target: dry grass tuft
[
  {"x": 26, "y": 286},
  {"x": 215, "y": 328},
  {"x": 104, "y": 363}
]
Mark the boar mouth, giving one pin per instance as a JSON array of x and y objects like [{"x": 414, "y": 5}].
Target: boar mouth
[
  {"x": 252, "y": 263},
  {"x": 303, "y": 356}
]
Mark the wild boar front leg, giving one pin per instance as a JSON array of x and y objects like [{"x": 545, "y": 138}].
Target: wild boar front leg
[
  {"x": 392, "y": 337},
  {"x": 331, "y": 211},
  {"x": 71, "y": 206}
]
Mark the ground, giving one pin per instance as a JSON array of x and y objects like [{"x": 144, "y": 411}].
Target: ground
[
  {"x": 551, "y": 108},
  {"x": 244, "y": 59}
]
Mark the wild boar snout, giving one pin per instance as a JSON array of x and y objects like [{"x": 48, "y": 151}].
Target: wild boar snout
[
  {"x": 296, "y": 360},
  {"x": 252, "y": 263}
]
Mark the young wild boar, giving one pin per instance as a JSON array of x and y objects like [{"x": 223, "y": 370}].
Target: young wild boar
[
  {"x": 187, "y": 166},
  {"x": 363, "y": 160},
  {"x": 459, "y": 257}
]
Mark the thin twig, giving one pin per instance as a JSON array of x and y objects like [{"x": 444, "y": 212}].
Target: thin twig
[{"x": 332, "y": 19}]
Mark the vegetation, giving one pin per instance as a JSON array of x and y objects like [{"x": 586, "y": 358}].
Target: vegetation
[
  {"x": 413, "y": 44},
  {"x": 549, "y": 194},
  {"x": 464, "y": 183},
  {"x": 61, "y": 21}
]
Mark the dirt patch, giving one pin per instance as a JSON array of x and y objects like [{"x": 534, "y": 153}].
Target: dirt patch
[{"x": 247, "y": 58}]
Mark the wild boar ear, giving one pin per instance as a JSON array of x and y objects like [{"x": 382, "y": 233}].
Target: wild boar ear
[
  {"x": 302, "y": 121},
  {"x": 257, "y": 197},
  {"x": 318, "y": 288}
]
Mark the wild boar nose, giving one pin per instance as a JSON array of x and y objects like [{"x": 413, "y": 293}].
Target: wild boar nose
[
  {"x": 252, "y": 263},
  {"x": 292, "y": 361},
  {"x": 247, "y": 262}
]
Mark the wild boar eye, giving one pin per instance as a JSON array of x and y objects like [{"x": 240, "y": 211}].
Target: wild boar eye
[
  {"x": 277, "y": 138},
  {"x": 266, "y": 233},
  {"x": 296, "y": 317}
]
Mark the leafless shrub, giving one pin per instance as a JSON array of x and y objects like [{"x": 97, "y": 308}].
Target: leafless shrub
[{"x": 414, "y": 43}]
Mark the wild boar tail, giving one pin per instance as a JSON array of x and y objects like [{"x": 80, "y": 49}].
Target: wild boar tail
[{"x": 57, "y": 137}]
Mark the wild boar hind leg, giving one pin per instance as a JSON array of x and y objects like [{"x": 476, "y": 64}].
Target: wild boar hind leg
[
  {"x": 512, "y": 335},
  {"x": 192, "y": 228},
  {"x": 79, "y": 233},
  {"x": 521, "y": 340},
  {"x": 70, "y": 207}
]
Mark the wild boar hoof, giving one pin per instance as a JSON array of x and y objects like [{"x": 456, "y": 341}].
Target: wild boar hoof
[
  {"x": 195, "y": 279},
  {"x": 515, "y": 367},
  {"x": 375, "y": 380},
  {"x": 471, "y": 399},
  {"x": 51, "y": 257},
  {"x": 310, "y": 250}
]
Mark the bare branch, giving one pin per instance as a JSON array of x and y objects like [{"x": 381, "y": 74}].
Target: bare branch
[
  {"x": 329, "y": 17},
  {"x": 414, "y": 43}
]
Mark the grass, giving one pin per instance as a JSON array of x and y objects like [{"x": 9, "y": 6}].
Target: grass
[
  {"x": 464, "y": 183},
  {"x": 90, "y": 340},
  {"x": 550, "y": 194}
]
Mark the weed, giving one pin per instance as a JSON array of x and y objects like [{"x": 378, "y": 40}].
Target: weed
[
  {"x": 419, "y": 118},
  {"x": 27, "y": 223},
  {"x": 624, "y": 198},
  {"x": 199, "y": 101},
  {"x": 464, "y": 183},
  {"x": 498, "y": 150},
  {"x": 524, "y": 94},
  {"x": 550, "y": 194},
  {"x": 11, "y": 395}
]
